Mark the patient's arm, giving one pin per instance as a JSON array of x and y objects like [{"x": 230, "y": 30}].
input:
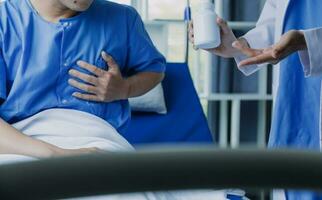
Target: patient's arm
[
  {"x": 143, "y": 82},
  {"x": 14, "y": 142}
]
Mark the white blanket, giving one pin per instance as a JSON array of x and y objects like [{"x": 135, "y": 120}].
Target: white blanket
[
  {"x": 73, "y": 129},
  {"x": 69, "y": 129}
]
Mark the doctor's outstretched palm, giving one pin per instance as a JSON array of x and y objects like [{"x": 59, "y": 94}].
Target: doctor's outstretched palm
[
  {"x": 227, "y": 39},
  {"x": 289, "y": 43}
]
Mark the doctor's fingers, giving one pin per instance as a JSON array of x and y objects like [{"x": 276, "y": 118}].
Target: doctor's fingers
[
  {"x": 282, "y": 49},
  {"x": 82, "y": 86},
  {"x": 223, "y": 25},
  {"x": 290, "y": 42},
  {"x": 190, "y": 28},
  {"x": 91, "y": 68},
  {"x": 84, "y": 77},
  {"x": 246, "y": 50},
  {"x": 192, "y": 38},
  {"x": 279, "y": 55},
  {"x": 191, "y": 35},
  {"x": 190, "y": 25},
  {"x": 260, "y": 59}
]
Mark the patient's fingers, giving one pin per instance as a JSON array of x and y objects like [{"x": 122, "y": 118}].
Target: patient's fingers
[
  {"x": 91, "y": 68},
  {"x": 84, "y": 77},
  {"x": 112, "y": 65},
  {"x": 86, "y": 97},
  {"x": 84, "y": 87}
]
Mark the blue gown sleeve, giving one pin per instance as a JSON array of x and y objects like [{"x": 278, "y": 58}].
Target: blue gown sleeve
[{"x": 143, "y": 55}]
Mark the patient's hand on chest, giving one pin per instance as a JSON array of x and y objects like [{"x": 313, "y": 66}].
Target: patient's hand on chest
[{"x": 99, "y": 85}]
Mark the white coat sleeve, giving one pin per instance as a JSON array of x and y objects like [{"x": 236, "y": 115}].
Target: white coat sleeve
[
  {"x": 262, "y": 36},
  {"x": 311, "y": 58}
]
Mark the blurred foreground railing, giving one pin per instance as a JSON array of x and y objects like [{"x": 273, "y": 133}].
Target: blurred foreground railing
[{"x": 154, "y": 170}]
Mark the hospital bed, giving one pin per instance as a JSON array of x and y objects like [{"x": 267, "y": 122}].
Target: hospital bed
[{"x": 185, "y": 123}]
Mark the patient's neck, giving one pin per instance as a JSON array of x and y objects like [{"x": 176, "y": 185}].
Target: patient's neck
[{"x": 52, "y": 10}]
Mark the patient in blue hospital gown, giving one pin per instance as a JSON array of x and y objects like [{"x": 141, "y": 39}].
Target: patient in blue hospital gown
[{"x": 67, "y": 69}]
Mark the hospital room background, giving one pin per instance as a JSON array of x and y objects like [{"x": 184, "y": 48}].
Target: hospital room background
[{"x": 237, "y": 108}]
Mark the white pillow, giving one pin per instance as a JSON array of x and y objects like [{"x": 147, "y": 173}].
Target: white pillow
[{"x": 153, "y": 101}]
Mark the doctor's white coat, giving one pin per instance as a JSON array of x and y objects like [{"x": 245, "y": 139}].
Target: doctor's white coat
[{"x": 268, "y": 31}]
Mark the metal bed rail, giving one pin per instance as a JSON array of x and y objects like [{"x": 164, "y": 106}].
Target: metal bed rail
[{"x": 161, "y": 170}]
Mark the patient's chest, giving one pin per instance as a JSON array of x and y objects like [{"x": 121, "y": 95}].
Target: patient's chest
[
  {"x": 38, "y": 56},
  {"x": 42, "y": 53}
]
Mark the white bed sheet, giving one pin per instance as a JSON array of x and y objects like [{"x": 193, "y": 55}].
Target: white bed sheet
[{"x": 73, "y": 129}]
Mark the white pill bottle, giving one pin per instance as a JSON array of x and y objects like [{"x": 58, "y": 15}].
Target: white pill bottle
[{"x": 206, "y": 30}]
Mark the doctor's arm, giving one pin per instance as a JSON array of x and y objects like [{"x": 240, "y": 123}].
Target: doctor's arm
[
  {"x": 259, "y": 37},
  {"x": 289, "y": 43},
  {"x": 311, "y": 56},
  {"x": 306, "y": 42}
]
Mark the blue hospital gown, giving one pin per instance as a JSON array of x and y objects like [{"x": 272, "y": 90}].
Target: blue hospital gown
[{"x": 36, "y": 55}]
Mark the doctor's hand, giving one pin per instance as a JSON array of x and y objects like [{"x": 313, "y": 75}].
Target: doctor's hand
[
  {"x": 102, "y": 85},
  {"x": 227, "y": 38},
  {"x": 289, "y": 43}
]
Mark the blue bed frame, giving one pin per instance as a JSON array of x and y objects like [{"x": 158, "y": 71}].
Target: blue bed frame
[{"x": 185, "y": 121}]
